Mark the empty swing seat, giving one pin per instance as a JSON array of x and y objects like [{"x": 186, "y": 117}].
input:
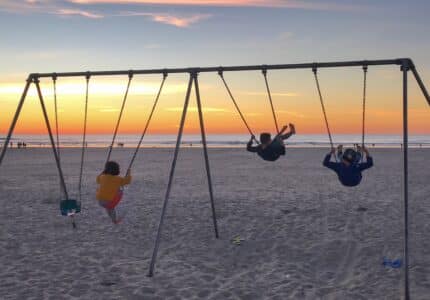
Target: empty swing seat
[{"x": 69, "y": 207}]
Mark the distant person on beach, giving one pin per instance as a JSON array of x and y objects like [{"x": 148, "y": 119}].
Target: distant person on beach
[
  {"x": 109, "y": 192},
  {"x": 269, "y": 149},
  {"x": 350, "y": 166}
]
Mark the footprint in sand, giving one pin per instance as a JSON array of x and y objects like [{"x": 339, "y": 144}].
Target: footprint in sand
[
  {"x": 361, "y": 209},
  {"x": 107, "y": 283}
]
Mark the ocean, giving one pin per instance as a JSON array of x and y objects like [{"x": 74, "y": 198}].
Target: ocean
[{"x": 218, "y": 140}]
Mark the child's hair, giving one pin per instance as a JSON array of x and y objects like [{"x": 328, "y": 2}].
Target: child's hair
[
  {"x": 265, "y": 137},
  {"x": 111, "y": 168},
  {"x": 349, "y": 155}
]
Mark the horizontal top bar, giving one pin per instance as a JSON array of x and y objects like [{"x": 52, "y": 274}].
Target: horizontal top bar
[{"x": 196, "y": 70}]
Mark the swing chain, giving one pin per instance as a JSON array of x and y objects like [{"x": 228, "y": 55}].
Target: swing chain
[
  {"x": 315, "y": 71},
  {"x": 269, "y": 94},
  {"x": 264, "y": 70},
  {"x": 365, "y": 67},
  {"x": 84, "y": 138},
  {"x": 220, "y": 73},
  {"x": 54, "y": 82},
  {"x": 315, "y": 68},
  {"x": 130, "y": 77},
  {"x": 165, "y": 74}
]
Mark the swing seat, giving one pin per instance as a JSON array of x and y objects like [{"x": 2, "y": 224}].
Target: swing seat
[{"x": 70, "y": 207}]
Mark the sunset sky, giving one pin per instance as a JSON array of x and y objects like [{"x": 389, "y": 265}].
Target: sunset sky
[{"x": 81, "y": 35}]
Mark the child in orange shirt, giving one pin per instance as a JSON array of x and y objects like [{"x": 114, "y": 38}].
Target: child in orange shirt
[{"x": 109, "y": 192}]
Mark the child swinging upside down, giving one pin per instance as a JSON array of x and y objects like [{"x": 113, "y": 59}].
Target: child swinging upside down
[
  {"x": 109, "y": 192},
  {"x": 269, "y": 149},
  {"x": 350, "y": 166}
]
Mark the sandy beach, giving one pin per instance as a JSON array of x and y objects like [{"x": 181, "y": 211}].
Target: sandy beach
[{"x": 302, "y": 235}]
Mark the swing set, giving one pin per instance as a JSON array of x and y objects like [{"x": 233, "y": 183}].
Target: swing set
[{"x": 69, "y": 207}]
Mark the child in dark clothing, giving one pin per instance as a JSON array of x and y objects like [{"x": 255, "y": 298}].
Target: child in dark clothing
[
  {"x": 350, "y": 154},
  {"x": 269, "y": 149},
  {"x": 349, "y": 168}
]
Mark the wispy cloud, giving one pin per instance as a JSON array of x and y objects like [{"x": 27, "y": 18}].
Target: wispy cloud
[
  {"x": 298, "y": 4},
  {"x": 194, "y": 109},
  {"x": 108, "y": 110},
  {"x": 111, "y": 88},
  {"x": 285, "y": 36},
  {"x": 169, "y": 19},
  {"x": 18, "y": 6},
  {"x": 291, "y": 113},
  {"x": 251, "y": 114},
  {"x": 53, "y": 7},
  {"x": 77, "y": 12},
  {"x": 67, "y": 8},
  {"x": 79, "y": 8},
  {"x": 273, "y": 94}
]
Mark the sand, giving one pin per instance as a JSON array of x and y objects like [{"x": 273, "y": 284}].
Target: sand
[{"x": 302, "y": 235}]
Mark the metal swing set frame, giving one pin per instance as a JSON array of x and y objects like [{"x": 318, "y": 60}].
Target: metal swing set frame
[{"x": 406, "y": 65}]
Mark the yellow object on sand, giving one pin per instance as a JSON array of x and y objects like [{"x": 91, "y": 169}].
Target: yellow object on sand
[{"x": 237, "y": 240}]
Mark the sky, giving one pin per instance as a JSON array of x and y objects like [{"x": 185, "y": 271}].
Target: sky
[{"x": 81, "y": 35}]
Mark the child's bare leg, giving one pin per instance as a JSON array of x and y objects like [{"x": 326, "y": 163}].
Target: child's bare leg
[
  {"x": 289, "y": 134},
  {"x": 286, "y": 136},
  {"x": 112, "y": 214}
]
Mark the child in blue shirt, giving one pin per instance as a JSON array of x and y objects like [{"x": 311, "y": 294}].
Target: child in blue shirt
[{"x": 350, "y": 166}]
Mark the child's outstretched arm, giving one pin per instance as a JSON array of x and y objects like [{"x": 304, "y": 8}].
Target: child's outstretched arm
[
  {"x": 369, "y": 161},
  {"x": 127, "y": 179},
  {"x": 249, "y": 146},
  {"x": 98, "y": 178},
  {"x": 327, "y": 163}
]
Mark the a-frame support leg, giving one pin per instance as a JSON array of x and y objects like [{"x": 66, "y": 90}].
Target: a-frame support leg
[
  {"x": 15, "y": 119},
  {"x": 205, "y": 151},
  {"x": 405, "y": 68},
  {"x": 193, "y": 79},
  {"x": 51, "y": 138},
  {"x": 172, "y": 172}
]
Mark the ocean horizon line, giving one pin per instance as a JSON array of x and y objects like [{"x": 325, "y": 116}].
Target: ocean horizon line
[{"x": 214, "y": 140}]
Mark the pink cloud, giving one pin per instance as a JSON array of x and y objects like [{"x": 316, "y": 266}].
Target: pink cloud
[
  {"x": 76, "y": 12},
  {"x": 184, "y": 2},
  {"x": 169, "y": 19},
  {"x": 299, "y": 4},
  {"x": 44, "y": 7}
]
